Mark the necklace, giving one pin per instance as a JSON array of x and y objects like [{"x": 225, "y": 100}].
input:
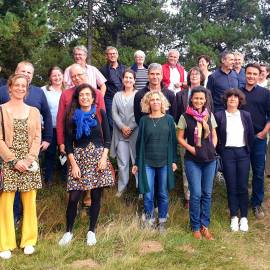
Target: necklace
[{"x": 155, "y": 122}]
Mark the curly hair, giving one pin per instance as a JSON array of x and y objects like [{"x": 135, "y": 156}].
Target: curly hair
[{"x": 145, "y": 102}]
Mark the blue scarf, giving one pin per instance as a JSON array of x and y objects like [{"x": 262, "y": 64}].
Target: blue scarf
[{"x": 84, "y": 121}]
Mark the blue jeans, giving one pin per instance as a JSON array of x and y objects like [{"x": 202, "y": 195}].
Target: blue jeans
[
  {"x": 162, "y": 193},
  {"x": 257, "y": 158},
  {"x": 200, "y": 178}
]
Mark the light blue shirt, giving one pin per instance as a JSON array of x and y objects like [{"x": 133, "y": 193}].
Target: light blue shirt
[{"x": 52, "y": 97}]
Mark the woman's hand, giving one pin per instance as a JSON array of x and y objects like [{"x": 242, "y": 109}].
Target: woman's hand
[
  {"x": 134, "y": 169},
  {"x": 21, "y": 166},
  {"x": 174, "y": 167},
  {"x": 102, "y": 164},
  {"x": 192, "y": 150},
  {"x": 126, "y": 131},
  {"x": 75, "y": 171}
]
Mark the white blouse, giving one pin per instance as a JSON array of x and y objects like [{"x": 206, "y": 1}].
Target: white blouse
[{"x": 234, "y": 130}]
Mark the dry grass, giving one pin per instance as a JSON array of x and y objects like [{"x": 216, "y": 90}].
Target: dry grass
[{"x": 122, "y": 244}]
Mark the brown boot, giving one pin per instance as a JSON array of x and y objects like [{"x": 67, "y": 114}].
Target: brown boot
[{"x": 205, "y": 232}]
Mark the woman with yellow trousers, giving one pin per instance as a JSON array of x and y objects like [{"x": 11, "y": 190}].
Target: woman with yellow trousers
[{"x": 20, "y": 137}]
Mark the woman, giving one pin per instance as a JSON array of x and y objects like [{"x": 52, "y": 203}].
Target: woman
[
  {"x": 195, "y": 78},
  {"x": 203, "y": 63},
  {"x": 264, "y": 80},
  {"x": 156, "y": 155},
  {"x": 125, "y": 129},
  {"x": 197, "y": 135},
  {"x": 87, "y": 141},
  {"x": 20, "y": 139},
  {"x": 53, "y": 92},
  {"x": 235, "y": 133},
  {"x": 140, "y": 69}
]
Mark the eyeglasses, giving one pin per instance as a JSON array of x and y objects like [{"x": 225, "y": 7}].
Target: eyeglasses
[{"x": 77, "y": 75}]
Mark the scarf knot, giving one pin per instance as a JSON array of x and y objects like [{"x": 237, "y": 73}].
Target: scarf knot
[
  {"x": 84, "y": 121},
  {"x": 201, "y": 119}
]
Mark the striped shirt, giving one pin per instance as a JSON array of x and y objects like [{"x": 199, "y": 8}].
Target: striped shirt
[{"x": 141, "y": 78}]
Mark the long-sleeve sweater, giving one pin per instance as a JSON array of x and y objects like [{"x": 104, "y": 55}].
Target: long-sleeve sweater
[{"x": 35, "y": 98}]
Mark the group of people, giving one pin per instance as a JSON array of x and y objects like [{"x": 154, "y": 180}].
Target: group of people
[{"x": 142, "y": 115}]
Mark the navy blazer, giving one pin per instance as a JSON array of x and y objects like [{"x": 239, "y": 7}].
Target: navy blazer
[{"x": 221, "y": 120}]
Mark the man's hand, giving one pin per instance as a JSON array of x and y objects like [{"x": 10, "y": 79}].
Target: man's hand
[{"x": 44, "y": 145}]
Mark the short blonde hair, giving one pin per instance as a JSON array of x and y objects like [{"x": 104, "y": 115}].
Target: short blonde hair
[{"x": 145, "y": 102}]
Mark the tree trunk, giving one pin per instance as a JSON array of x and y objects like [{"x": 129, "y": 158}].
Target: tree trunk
[{"x": 89, "y": 30}]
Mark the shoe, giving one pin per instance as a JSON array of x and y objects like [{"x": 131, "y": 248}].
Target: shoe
[
  {"x": 140, "y": 197},
  {"x": 28, "y": 250},
  {"x": 65, "y": 240},
  {"x": 258, "y": 212},
  {"x": 161, "y": 227},
  {"x": 220, "y": 178},
  {"x": 205, "y": 232},
  {"x": 5, "y": 254},
  {"x": 91, "y": 238},
  {"x": 197, "y": 235},
  {"x": 234, "y": 224},
  {"x": 243, "y": 224}
]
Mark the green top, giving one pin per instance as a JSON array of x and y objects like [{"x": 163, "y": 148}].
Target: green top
[
  {"x": 156, "y": 141},
  {"x": 140, "y": 154}
]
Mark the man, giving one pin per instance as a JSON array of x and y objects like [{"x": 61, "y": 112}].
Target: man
[
  {"x": 78, "y": 76},
  {"x": 258, "y": 104},
  {"x": 264, "y": 76},
  {"x": 155, "y": 84},
  {"x": 238, "y": 68},
  {"x": 222, "y": 79},
  {"x": 174, "y": 75},
  {"x": 113, "y": 71},
  {"x": 95, "y": 78},
  {"x": 35, "y": 98}
]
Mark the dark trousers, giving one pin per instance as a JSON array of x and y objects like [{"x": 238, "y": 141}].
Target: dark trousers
[
  {"x": 257, "y": 158},
  {"x": 236, "y": 164},
  {"x": 50, "y": 161},
  {"x": 108, "y": 105}
]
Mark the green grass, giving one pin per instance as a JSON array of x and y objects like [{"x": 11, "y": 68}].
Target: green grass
[{"x": 120, "y": 238}]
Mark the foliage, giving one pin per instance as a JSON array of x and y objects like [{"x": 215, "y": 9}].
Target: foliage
[{"x": 23, "y": 30}]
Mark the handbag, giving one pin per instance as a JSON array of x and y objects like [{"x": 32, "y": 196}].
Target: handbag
[{"x": 1, "y": 161}]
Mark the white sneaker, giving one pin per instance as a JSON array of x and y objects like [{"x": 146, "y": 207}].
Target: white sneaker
[
  {"x": 243, "y": 224},
  {"x": 28, "y": 250},
  {"x": 234, "y": 224},
  {"x": 65, "y": 240},
  {"x": 5, "y": 254},
  {"x": 91, "y": 239},
  {"x": 119, "y": 194}
]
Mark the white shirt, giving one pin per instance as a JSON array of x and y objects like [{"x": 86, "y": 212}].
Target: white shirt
[{"x": 234, "y": 130}]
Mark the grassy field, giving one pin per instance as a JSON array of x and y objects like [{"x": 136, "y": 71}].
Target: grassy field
[{"x": 122, "y": 244}]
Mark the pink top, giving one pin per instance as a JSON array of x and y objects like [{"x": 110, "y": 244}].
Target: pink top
[
  {"x": 95, "y": 77},
  {"x": 64, "y": 102}
]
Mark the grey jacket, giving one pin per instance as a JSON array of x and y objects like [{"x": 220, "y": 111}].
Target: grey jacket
[{"x": 123, "y": 115}]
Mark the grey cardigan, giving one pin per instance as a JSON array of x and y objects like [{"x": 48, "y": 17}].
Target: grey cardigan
[{"x": 123, "y": 115}]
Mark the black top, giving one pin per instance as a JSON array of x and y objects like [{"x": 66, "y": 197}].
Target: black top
[
  {"x": 258, "y": 105},
  {"x": 140, "y": 94},
  {"x": 206, "y": 152},
  {"x": 100, "y": 135},
  {"x": 114, "y": 79},
  {"x": 218, "y": 82},
  {"x": 222, "y": 129},
  {"x": 156, "y": 131}
]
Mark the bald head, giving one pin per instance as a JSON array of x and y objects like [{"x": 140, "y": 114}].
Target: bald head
[
  {"x": 27, "y": 69},
  {"x": 78, "y": 74}
]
